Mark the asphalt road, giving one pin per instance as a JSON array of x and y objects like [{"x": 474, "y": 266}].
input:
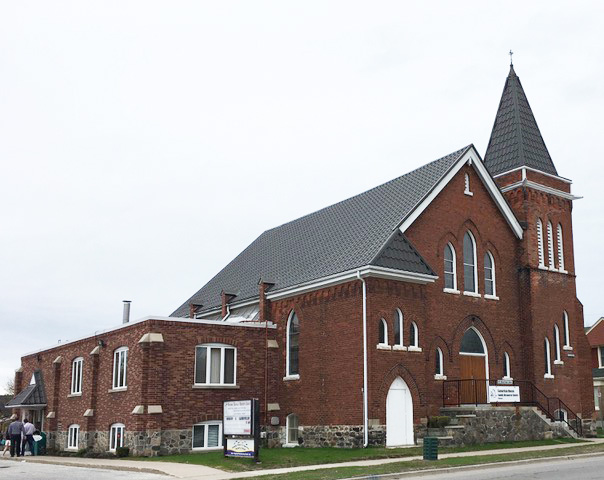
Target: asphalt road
[
  {"x": 577, "y": 468},
  {"x": 39, "y": 471}
]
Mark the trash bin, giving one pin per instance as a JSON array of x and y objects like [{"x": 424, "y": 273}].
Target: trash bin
[
  {"x": 39, "y": 445},
  {"x": 430, "y": 448}
]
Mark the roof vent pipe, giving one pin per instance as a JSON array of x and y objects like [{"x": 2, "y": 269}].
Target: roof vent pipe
[{"x": 126, "y": 317}]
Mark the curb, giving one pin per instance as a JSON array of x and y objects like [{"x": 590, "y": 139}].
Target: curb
[{"x": 433, "y": 471}]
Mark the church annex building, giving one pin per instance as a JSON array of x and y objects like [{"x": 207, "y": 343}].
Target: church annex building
[{"x": 356, "y": 323}]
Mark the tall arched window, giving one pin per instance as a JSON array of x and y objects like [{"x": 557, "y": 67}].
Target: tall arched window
[
  {"x": 439, "y": 367},
  {"x": 120, "y": 368},
  {"x": 470, "y": 276},
  {"x": 540, "y": 243},
  {"x": 413, "y": 335},
  {"x": 560, "y": 249},
  {"x": 507, "y": 372},
  {"x": 76, "y": 376},
  {"x": 450, "y": 267},
  {"x": 489, "y": 275},
  {"x": 383, "y": 332},
  {"x": 557, "y": 344},
  {"x": 550, "y": 245},
  {"x": 398, "y": 328},
  {"x": 548, "y": 364},
  {"x": 293, "y": 339},
  {"x": 566, "y": 331}
]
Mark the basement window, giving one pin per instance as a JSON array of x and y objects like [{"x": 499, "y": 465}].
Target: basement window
[
  {"x": 292, "y": 429},
  {"x": 116, "y": 436},
  {"x": 73, "y": 437},
  {"x": 207, "y": 435}
]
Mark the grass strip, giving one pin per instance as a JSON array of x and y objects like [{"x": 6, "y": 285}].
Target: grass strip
[
  {"x": 294, "y": 457},
  {"x": 415, "y": 465}
]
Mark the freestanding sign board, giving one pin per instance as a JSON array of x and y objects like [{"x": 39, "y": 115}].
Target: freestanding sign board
[{"x": 241, "y": 428}]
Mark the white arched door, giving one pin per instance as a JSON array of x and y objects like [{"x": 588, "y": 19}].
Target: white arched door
[{"x": 399, "y": 414}]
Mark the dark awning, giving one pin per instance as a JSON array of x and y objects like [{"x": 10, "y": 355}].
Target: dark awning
[{"x": 32, "y": 396}]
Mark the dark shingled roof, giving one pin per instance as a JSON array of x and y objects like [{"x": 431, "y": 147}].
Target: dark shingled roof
[
  {"x": 597, "y": 372},
  {"x": 516, "y": 140},
  {"x": 34, "y": 394},
  {"x": 359, "y": 231}
]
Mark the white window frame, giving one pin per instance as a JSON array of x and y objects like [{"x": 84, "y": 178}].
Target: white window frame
[
  {"x": 205, "y": 435},
  {"x": 414, "y": 342},
  {"x": 600, "y": 352},
  {"x": 114, "y": 441},
  {"x": 223, "y": 347},
  {"x": 440, "y": 374},
  {"x": 467, "y": 185},
  {"x": 557, "y": 355},
  {"x": 566, "y": 331},
  {"x": 475, "y": 266},
  {"x": 289, "y": 375},
  {"x": 454, "y": 272},
  {"x": 77, "y": 367},
  {"x": 399, "y": 320},
  {"x": 288, "y": 441},
  {"x": 548, "y": 359},
  {"x": 507, "y": 374},
  {"x": 540, "y": 243},
  {"x": 383, "y": 324},
  {"x": 120, "y": 355},
  {"x": 560, "y": 250},
  {"x": 550, "y": 246},
  {"x": 73, "y": 437},
  {"x": 493, "y": 277}
]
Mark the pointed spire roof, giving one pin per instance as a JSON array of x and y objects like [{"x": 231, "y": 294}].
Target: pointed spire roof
[{"x": 516, "y": 140}]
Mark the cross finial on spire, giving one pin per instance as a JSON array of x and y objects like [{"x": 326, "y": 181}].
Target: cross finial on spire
[{"x": 511, "y": 63}]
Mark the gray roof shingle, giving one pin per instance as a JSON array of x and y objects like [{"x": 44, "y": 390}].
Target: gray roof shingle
[
  {"x": 515, "y": 139},
  {"x": 359, "y": 231},
  {"x": 34, "y": 394}
]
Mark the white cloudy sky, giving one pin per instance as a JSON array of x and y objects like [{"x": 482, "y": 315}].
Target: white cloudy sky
[{"x": 144, "y": 144}]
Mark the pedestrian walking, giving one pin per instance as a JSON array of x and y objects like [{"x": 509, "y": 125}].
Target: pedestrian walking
[
  {"x": 28, "y": 437},
  {"x": 15, "y": 429},
  {"x": 6, "y": 443}
]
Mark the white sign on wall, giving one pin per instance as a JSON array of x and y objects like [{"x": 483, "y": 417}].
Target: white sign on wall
[
  {"x": 237, "y": 417},
  {"x": 501, "y": 394}
]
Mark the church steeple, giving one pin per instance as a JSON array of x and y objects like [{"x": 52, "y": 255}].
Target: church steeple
[{"x": 516, "y": 140}]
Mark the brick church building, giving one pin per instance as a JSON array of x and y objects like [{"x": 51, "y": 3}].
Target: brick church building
[{"x": 353, "y": 324}]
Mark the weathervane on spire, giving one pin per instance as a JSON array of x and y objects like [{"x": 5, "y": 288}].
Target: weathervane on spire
[{"x": 511, "y": 63}]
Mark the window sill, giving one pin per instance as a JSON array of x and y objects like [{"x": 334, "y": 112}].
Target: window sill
[
  {"x": 548, "y": 375},
  {"x": 400, "y": 348},
  {"x": 215, "y": 387},
  {"x": 468, "y": 193},
  {"x": 491, "y": 297},
  {"x": 472, "y": 294},
  {"x": 290, "y": 445},
  {"x": 71, "y": 449},
  {"x": 509, "y": 379},
  {"x": 558, "y": 362},
  {"x": 288, "y": 378},
  {"x": 552, "y": 269},
  {"x": 206, "y": 449},
  {"x": 451, "y": 290},
  {"x": 542, "y": 267},
  {"x": 568, "y": 348},
  {"x": 440, "y": 377},
  {"x": 119, "y": 389},
  {"x": 414, "y": 349},
  {"x": 382, "y": 346},
  {"x": 71, "y": 395},
  {"x": 561, "y": 270}
]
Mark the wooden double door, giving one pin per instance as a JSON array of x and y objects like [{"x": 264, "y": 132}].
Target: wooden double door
[{"x": 473, "y": 387}]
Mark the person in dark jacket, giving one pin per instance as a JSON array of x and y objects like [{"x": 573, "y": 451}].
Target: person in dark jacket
[{"x": 15, "y": 429}]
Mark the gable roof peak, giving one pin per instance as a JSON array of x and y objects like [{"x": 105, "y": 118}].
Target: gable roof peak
[{"x": 515, "y": 139}]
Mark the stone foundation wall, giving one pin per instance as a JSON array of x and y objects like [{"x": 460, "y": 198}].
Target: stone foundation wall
[{"x": 340, "y": 436}]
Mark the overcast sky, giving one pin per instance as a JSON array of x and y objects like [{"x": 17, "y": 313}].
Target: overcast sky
[{"x": 144, "y": 144}]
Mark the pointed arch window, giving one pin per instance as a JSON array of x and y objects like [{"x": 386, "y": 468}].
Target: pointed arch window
[
  {"x": 550, "y": 246},
  {"x": 439, "y": 367},
  {"x": 293, "y": 339},
  {"x": 557, "y": 358},
  {"x": 489, "y": 275},
  {"x": 547, "y": 358},
  {"x": 540, "y": 243},
  {"x": 470, "y": 275},
  {"x": 560, "y": 249},
  {"x": 398, "y": 328},
  {"x": 450, "y": 268},
  {"x": 383, "y": 333},
  {"x": 507, "y": 372},
  {"x": 413, "y": 336},
  {"x": 566, "y": 331}
]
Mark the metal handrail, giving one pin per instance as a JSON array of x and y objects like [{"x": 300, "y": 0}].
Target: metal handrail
[{"x": 530, "y": 395}]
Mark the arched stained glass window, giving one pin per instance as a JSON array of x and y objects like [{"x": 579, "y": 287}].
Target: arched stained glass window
[
  {"x": 471, "y": 343},
  {"x": 293, "y": 338},
  {"x": 469, "y": 264}
]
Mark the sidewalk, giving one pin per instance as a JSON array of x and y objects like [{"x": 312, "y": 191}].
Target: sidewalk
[{"x": 200, "y": 472}]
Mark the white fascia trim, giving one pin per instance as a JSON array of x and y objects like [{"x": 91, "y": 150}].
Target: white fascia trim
[
  {"x": 471, "y": 157},
  {"x": 562, "y": 179},
  {"x": 542, "y": 188},
  {"x": 594, "y": 325},
  {"x": 350, "y": 275}
]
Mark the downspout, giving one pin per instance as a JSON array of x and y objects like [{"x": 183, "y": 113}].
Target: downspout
[
  {"x": 365, "y": 413},
  {"x": 228, "y": 309}
]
